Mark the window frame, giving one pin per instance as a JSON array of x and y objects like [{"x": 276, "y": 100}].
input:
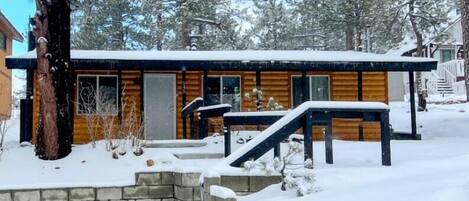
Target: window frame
[
  {"x": 97, "y": 92},
  {"x": 310, "y": 86},
  {"x": 221, "y": 87},
  {"x": 453, "y": 54},
  {"x": 5, "y": 47}
]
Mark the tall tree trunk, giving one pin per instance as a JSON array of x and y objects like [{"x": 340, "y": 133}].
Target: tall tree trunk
[
  {"x": 465, "y": 25},
  {"x": 422, "y": 104},
  {"x": 52, "y": 32}
]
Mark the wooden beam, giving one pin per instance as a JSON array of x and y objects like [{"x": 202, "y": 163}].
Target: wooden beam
[
  {"x": 304, "y": 87},
  {"x": 413, "y": 113},
  {"x": 258, "y": 87},
  {"x": 184, "y": 97}
]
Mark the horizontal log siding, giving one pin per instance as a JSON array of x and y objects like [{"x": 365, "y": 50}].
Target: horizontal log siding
[{"x": 273, "y": 84}]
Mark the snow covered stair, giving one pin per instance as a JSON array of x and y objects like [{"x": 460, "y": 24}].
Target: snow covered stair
[{"x": 313, "y": 113}]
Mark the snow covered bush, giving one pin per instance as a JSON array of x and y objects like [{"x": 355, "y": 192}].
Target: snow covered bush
[
  {"x": 257, "y": 96},
  {"x": 298, "y": 177}
]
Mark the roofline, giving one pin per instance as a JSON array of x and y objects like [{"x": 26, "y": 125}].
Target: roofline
[
  {"x": 16, "y": 34},
  {"x": 176, "y": 65},
  {"x": 431, "y": 40}
]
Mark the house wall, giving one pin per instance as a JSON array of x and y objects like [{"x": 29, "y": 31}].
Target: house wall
[
  {"x": 343, "y": 87},
  {"x": 5, "y": 81}
]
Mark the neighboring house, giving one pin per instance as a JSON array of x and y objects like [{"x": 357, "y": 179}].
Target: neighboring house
[
  {"x": 8, "y": 33},
  {"x": 155, "y": 80},
  {"x": 447, "y": 48}
]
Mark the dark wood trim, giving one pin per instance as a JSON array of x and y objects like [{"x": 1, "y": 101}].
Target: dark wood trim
[
  {"x": 184, "y": 102},
  {"x": 258, "y": 87},
  {"x": 413, "y": 113},
  {"x": 304, "y": 87},
  {"x": 223, "y": 65},
  {"x": 119, "y": 94},
  {"x": 204, "y": 86}
]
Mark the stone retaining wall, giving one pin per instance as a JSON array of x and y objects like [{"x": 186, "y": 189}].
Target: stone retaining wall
[{"x": 156, "y": 186}]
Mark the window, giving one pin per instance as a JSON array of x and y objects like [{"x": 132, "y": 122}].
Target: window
[
  {"x": 447, "y": 55},
  {"x": 3, "y": 41},
  {"x": 224, "y": 89},
  {"x": 318, "y": 87},
  {"x": 97, "y": 94}
]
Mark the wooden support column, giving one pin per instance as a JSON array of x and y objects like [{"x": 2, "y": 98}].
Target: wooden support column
[
  {"x": 204, "y": 85},
  {"x": 328, "y": 141},
  {"x": 413, "y": 113},
  {"x": 142, "y": 107},
  {"x": 304, "y": 87},
  {"x": 308, "y": 139},
  {"x": 184, "y": 97},
  {"x": 119, "y": 95},
  {"x": 258, "y": 87},
  {"x": 385, "y": 139},
  {"x": 203, "y": 122},
  {"x": 227, "y": 135},
  {"x": 361, "y": 136}
]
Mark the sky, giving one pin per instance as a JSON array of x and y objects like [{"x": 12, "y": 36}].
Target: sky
[{"x": 18, "y": 12}]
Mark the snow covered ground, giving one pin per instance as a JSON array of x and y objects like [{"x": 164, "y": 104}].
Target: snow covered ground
[{"x": 436, "y": 168}]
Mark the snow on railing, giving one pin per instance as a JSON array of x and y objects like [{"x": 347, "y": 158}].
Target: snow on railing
[{"x": 432, "y": 84}]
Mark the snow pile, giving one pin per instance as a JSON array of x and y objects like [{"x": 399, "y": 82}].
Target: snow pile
[{"x": 222, "y": 192}]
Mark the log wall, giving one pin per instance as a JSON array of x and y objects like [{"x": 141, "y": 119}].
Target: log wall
[{"x": 343, "y": 87}]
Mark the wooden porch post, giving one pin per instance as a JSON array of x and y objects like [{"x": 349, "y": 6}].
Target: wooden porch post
[
  {"x": 203, "y": 122},
  {"x": 184, "y": 119},
  {"x": 304, "y": 87},
  {"x": 413, "y": 113},
  {"x": 258, "y": 87},
  {"x": 361, "y": 137}
]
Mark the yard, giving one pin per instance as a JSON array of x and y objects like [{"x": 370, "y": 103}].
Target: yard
[{"x": 435, "y": 168}]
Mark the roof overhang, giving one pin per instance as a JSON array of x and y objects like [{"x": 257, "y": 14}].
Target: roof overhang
[
  {"x": 13, "y": 33},
  {"x": 234, "y": 61}
]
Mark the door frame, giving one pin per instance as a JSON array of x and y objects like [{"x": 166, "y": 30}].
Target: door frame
[{"x": 156, "y": 75}]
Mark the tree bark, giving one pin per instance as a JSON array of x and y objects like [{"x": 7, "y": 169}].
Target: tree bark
[
  {"x": 465, "y": 26},
  {"x": 422, "y": 104},
  {"x": 52, "y": 32}
]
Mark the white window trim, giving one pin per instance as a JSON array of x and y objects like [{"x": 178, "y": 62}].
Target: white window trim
[
  {"x": 221, "y": 87},
  {"x": 310, "y": 86},
  {"x": 97, "y": 92}
]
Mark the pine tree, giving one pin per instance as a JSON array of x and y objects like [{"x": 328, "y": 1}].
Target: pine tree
[
  {"x": 425, "y": 18},
  {"x": 52, "y": 32},
  {"x": 273, "y": 27}
]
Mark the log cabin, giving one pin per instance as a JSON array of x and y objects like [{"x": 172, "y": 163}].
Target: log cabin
[
  {"x": 8, "y": 33},
  {"x": 161, "y": 83}
]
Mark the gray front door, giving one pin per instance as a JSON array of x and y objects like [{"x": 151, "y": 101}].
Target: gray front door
[{"x": 159, "y": 103}]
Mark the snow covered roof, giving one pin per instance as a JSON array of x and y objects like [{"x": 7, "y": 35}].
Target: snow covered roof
[
  {"x": 410, "y": 43},
  {"x": 233, "y": 60}
]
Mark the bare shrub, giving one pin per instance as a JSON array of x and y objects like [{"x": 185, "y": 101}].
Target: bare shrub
[
  {"x": 87, "y": 105},
  {"x": 3, "y": 131}
]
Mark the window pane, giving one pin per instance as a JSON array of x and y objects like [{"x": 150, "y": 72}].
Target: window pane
[
  {"x": 107, "y": 95},
  {"x": 320, "y": 88},
  {"x": 213, "y": 91},
  {"x": 86, "y": 95},
  {"x": 231, "y": 92},
  {"x": 3, "y": 42},
  {"x": 296, "y": 93},
  {"x": 447, "y": 55}
]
